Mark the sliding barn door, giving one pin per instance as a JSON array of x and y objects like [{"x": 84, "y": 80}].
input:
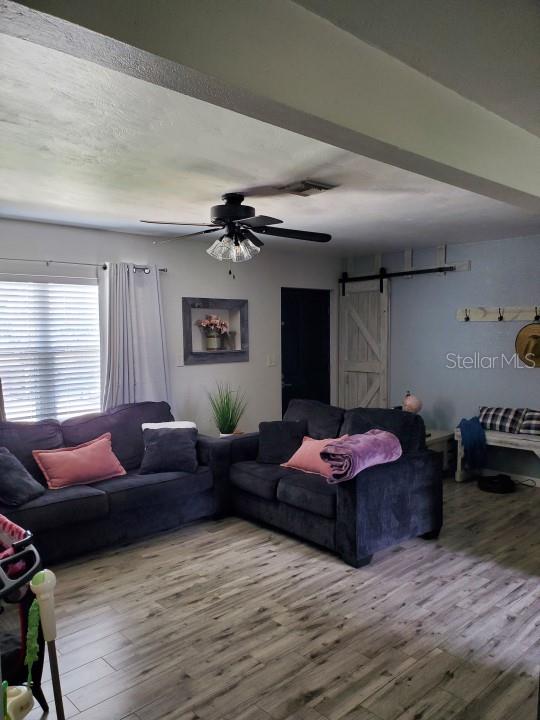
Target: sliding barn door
[{"x": 363, "y": 345}]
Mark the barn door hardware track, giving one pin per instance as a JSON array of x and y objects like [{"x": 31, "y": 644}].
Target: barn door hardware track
[{"x": 383, "y": 275}]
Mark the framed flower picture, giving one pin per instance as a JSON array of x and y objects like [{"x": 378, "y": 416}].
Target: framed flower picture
[{"x": 215, "y": 330}]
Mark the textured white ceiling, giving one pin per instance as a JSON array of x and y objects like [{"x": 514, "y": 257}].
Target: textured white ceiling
[{"x": 85, "y": 145}]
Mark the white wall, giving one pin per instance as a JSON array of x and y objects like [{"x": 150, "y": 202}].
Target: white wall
[{"x": 192, "y": 273}]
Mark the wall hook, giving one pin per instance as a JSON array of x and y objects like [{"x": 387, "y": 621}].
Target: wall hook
[{"x": 501, "y": 316}]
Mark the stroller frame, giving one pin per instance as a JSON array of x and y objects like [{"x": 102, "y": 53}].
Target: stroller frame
[{"x": 13, "y": 591}]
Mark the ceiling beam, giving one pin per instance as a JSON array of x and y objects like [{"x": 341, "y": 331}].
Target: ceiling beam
[
  {"x": 282, "y": 64},
  {"x": 485, "y": 50}
]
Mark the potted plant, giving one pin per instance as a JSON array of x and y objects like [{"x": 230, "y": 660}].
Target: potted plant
[
  {"x": 228, "y": 406},
  {"x": 213, "y": 328}
]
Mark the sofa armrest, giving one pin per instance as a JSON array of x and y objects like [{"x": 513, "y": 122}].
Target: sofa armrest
[
  {"x": 387, "y": 504},
  {"x": 216, "y": 454},
  {"x": 244, "y": 447},
  {"x": 210, "y": 449}
]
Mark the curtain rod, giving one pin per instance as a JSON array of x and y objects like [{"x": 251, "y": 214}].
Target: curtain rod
[{"x": 103, "y": 265}]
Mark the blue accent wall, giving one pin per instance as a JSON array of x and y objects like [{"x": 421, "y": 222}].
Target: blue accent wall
[{"x": 424, "y": 328}]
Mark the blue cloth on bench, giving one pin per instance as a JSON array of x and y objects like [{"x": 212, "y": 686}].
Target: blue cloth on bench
[{"x": 473, "y": 438}]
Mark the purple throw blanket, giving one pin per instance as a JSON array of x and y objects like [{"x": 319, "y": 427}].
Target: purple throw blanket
[{"x": 355, "y": 453}]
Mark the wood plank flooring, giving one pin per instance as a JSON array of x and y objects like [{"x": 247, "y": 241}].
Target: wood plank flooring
[{"x": 228, "y": 620}]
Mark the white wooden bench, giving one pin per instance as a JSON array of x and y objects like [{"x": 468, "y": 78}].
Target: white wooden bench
[{"x": 515, "y": 441}]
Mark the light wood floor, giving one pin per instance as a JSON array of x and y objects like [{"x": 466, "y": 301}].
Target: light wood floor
[{"x": 228, "y": 620}]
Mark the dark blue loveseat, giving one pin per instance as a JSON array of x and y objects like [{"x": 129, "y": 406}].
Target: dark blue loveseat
[{"x": 380, "y": 507}]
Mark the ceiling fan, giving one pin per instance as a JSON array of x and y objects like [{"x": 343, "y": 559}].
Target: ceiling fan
[{"x": 240, "y": 241}]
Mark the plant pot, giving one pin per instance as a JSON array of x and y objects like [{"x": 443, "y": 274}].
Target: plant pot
[
  {"x": 213, "y": 342},
  {"x": 225, "y": 435}
]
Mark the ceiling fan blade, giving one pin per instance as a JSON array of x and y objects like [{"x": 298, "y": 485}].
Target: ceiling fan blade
[
  {"x": 164, "y": 222},
  {"x": 295, "y": 234},
  {"x": 260, "y": 220},
  {"x": 201, "y": 232},
  {"x": 248, "y": 235},
  {"x": 181, "y": 237}
]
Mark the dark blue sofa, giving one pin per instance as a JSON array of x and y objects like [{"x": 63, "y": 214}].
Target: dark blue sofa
[
  {"x": 74, "y": 520},
  {"x": 382, "y": 506}
]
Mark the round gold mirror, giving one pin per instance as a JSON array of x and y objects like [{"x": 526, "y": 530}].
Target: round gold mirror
[{"x": 528, "y": 344}]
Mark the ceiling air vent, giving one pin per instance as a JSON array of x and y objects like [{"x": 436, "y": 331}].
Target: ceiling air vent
[{"x": 307, "y": 187}]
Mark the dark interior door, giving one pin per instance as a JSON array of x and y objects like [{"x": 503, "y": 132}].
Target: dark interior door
[{"x": 305, "y": 345}]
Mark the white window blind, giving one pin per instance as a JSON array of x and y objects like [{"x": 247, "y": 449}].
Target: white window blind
[{"x": 49, "y": 349}]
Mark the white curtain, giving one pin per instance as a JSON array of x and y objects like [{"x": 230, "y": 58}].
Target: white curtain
[
  {"x": 133, "y": 350},
  {"x": 2, "y": 405}
]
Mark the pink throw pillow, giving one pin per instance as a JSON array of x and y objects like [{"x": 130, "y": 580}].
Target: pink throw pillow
[
  {"x": 308, "y": 457},
  {"x": 87, "y": 463}
]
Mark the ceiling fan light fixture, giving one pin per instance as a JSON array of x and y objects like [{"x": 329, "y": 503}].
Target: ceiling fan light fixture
[
  {"x": 222, "y": 249},
  {"x": 227, "y": 249},
  {"x": 244, "y": 250}
]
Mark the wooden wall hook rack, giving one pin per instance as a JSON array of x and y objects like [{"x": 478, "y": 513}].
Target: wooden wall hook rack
[{"x": 499, "y": 314}]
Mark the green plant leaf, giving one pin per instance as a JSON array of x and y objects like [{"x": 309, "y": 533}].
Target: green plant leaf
[{"x": 228, "y": 406}]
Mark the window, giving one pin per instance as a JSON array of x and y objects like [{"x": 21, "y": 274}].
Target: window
[{"x": 49, "y": 349}]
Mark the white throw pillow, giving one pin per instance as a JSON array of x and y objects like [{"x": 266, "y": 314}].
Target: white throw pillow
[{"x": 171, "y": 425}]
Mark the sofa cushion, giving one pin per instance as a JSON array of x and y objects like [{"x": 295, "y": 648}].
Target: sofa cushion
[
  {"x": 308, "y": 492},
  {"x": 501, "y": 419},
  {"x": 530, "y": 424},
  {"x": 280, "y": 439},
  {"x": 134, "y": 491},
  {"x": 170, "y": 425},
  {"x": 308, "y": 457},
  {"x": 56, "y": 508},
  {"x": 125, "y": 425},
  {"x": 17, "y": 486},
  {"x": 20, "y": 438},
  {"x": 80, "y": 465},
  {"x": 257, "y": 478},
  {"x": 407, "y": 427},
  {"x": 169, "y": 450},
  {"x": 324, "y": 421}
]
